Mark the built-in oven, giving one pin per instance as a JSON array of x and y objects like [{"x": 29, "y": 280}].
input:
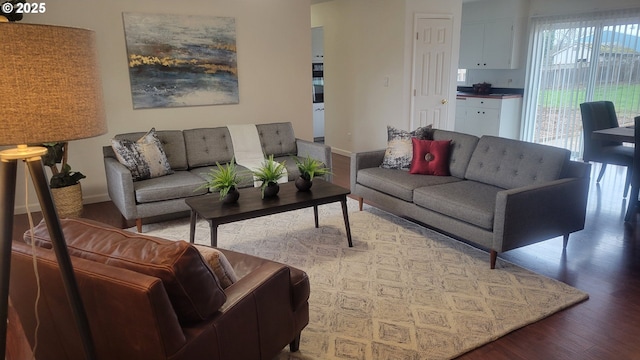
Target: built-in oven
[{"x": 318, "y": 82}]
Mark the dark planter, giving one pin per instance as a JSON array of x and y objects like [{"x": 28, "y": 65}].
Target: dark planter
[
  {"x": 303, "y": 184},
  {"x": 271, "y": 190},
  {"x": 232, "y": 196}
]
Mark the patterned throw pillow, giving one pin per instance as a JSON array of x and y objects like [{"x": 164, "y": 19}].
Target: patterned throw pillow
[
  {"x": 430, "y": 157},
  {"x": 145, "y": 158},
  {"x": 399, "y": 150}
]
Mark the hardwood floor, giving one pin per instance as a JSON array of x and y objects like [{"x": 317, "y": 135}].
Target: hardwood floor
[{"x": 603, "y": 260}]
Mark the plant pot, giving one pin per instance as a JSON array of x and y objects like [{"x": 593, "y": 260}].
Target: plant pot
[
  {"x": 232, "y": 196},
  {"x": 68, "y": 201},
  {"x": 271, "y": 190},
  {"x": 303, "y": 184}
]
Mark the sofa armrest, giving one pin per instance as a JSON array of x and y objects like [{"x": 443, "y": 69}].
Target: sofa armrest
[
  {"x": 530, "y": 214},
  {"x": 120, "y": 188},
  {"x": 258, "y": 310},
  {"x": 364, "y": 160},
  {"x": 316, "y": 151}
]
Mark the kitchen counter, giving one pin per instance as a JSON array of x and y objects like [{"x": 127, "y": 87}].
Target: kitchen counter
[{"x": 462, "y": 94}]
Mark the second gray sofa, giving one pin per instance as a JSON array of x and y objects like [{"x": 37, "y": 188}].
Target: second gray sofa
[
  {"x": 192, "y": 154},
  {"x": 501, "y": 193}
]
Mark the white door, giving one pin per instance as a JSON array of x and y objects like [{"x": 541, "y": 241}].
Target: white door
[{"x": 431, "y": 71}]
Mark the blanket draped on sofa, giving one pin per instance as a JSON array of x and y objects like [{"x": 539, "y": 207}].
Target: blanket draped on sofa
[{"x": 247, "y": 149}]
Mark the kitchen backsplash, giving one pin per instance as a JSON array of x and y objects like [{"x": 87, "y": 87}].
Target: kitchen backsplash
[{"x": 497, "y": 78}]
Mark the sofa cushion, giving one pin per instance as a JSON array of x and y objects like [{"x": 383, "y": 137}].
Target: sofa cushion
[
  {"x": 178, "y": 185},
  {"x": 398, "y": 183},
  {"x": 219, "y": 264},
  {"x": 469, "y": 201},
  {"x": 145, "y": 158},
  {"x": 191, "y": 285},
  {"x": 277, "y": 139},
  {"x": 172, "y": 142},
  {"x": 290, "y": 163},
  {"x": 399, "y": 151},
  {"x": 207, "y": 146},
  {"x": 430, "y": 157},
  {"x": 244, "y": 174},
  {"x": 462, "y": 146},
  {"x": 509, "y": 163}
]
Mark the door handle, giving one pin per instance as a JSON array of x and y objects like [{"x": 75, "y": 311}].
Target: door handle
[{"x": 444, "y": 101}]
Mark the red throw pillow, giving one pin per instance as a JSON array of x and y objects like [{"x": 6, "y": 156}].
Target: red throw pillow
[{"x": 430, "y": 157}]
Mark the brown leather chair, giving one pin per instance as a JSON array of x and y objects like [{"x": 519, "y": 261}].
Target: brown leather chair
[{"x": 136, "y": 315}]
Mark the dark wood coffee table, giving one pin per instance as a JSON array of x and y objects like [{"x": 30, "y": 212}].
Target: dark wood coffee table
[{"x": 251, "y": 205}]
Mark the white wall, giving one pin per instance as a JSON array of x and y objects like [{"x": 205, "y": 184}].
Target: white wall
[
  {"x": 364, "y": 42},
  {"x": 274, "y": 48}
]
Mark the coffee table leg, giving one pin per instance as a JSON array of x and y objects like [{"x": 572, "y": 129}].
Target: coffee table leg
[
  {"x": 214, "y": 233},
  {"x": 192, "y": 226},
  {"x": 345, "y": 214},
  {"x": 315, "y": 214}
]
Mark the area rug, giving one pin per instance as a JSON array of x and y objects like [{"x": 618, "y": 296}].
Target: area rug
[{"x": 401, "y": 292}]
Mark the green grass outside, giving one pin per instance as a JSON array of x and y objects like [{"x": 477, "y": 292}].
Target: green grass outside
[{"x": 626, "y": 98}]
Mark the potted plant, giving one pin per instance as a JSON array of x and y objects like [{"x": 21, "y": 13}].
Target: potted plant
[
  {"x": 225, "y": 179},
  {"x": 309, "y": 168},
  {"x": 269, "y": 173},
  {"x": 64, "y": 183}
]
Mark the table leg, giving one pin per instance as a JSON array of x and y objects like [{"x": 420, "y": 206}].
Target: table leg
[
  {"x": 214, "y": 233},
  {"x": 315, "y": 215},
  {"x": 192, "y": 226},
  {"x": 633, "y": 204},
  {"x": 345, "y": 215}
]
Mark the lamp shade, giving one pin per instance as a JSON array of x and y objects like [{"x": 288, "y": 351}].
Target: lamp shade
[{"x": 50, "y": 88}]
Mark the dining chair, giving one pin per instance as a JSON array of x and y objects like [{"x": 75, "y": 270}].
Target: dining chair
[
  {"x": 635, "y": 177},
  {"x": 598, "y": 115}
]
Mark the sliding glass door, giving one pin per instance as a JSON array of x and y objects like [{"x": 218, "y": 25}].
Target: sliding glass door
[{"x": 576, "y": 59}]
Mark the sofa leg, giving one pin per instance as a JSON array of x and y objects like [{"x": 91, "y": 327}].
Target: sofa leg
[
  {"x": 360, "y": 201},
  {"x": 494, "y": 257},
  {"x": 139, "y": 224},
  {"x": 565, "y": 241},
  {"x": 294, "y": 345}
]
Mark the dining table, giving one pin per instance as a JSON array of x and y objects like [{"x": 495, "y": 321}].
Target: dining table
[{"x": 624, "y": 134}]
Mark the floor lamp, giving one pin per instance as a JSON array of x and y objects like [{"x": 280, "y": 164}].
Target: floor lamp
[{"x": 50, "y": 91}]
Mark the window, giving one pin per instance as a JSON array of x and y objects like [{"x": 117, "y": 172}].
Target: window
[
  {"x": 462, "y": 76},
  {"x": 577, "y": 59}
]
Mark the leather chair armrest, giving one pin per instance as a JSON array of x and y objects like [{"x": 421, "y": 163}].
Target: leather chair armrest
[{"x": 255, "y": 312}]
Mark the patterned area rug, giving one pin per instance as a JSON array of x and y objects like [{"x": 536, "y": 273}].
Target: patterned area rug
[{"x": 402, "y": 291}]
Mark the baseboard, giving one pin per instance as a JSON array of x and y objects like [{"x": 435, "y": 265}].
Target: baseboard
[
  {"x": 341, "y": 152},
  {"x": 35, "y": 207}
]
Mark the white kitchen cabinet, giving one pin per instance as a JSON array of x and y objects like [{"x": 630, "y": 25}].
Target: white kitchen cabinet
[
  {"x": 490, "y": 45},
  {"x": 489, "y": 116}
]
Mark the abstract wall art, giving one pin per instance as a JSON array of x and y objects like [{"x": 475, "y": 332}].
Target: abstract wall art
[{"x": 181, "y": 60}]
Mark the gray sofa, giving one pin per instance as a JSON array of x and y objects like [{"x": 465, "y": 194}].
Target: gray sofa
[
  {"x": 192, "y": 154},
  {"x": 502, "y": 194}
]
